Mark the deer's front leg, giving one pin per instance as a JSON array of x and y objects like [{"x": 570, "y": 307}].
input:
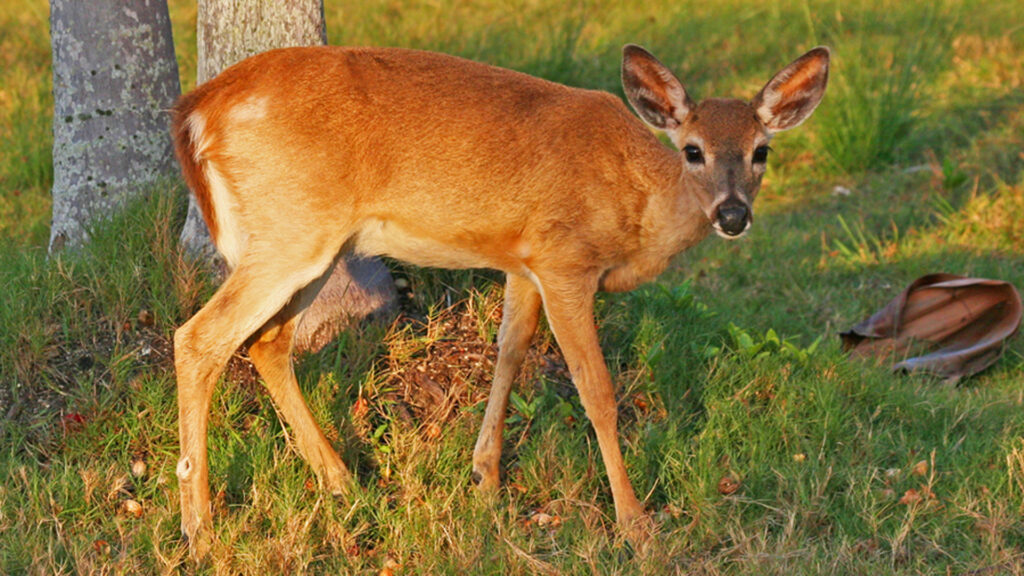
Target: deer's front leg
[
  {"x": 570, "y": 312},
  {"x": 518, "y": 323}
]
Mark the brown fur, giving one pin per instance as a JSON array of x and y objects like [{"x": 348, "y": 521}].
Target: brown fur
[{"x": 297, "y": 155}]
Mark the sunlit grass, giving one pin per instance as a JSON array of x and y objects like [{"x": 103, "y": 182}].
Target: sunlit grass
[
  {"x": 25, "y": 136},
  {"x": 758, "y": 446}
]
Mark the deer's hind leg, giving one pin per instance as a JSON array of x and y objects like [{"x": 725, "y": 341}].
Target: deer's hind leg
[
  {"x": 261, "y": 285},
  {"x": 271, "y": 353}
]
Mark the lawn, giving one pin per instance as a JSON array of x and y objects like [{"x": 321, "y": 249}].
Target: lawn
[{"x": 757, "y": 445}]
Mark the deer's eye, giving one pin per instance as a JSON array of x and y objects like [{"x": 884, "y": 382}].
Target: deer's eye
[
  {"x": 761, "y": 154},
  {"x": 693, "y": 154}
]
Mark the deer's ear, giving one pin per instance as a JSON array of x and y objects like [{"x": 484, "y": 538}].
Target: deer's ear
[
  {"x": 791, "y": 95},
  {"x": 653, "y": 90}
]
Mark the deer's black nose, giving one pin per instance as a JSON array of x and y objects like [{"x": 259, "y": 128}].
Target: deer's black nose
[{"x": 733, "y": 218}]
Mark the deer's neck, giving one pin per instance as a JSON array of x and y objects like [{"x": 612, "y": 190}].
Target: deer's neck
[
  {"x": 674, "y": 218},
  {"x": 671, "y": 222}
]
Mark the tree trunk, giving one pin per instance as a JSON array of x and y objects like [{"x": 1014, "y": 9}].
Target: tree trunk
[
  {"x": 230, "y": 31},
  {"x": 114, "y": 78}
]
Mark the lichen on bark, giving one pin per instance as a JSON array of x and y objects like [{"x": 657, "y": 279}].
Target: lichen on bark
[{"x": 114, "y": 78}]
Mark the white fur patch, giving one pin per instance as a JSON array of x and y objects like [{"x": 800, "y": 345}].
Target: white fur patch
[
  {"x": 184, "y": 469},
  {"x": 230, "y": 237},
  {"x": 251, "y": 109},
  {"x": 718, "y": 230},
  {"x": 197, "y": 132},
  {"x": 766, "y": 111},
  {"x": 229, "y": 240}
]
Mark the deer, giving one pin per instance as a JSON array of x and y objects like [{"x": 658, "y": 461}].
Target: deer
[{"x": 300, "y": 156}]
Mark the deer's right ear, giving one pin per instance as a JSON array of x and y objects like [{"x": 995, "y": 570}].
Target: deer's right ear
[{"x": 653, "y": 90}]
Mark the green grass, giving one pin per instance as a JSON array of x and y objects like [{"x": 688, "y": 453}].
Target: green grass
[
  {"x": 728, "y": 367},
  {"x": 26, "y": 105}
]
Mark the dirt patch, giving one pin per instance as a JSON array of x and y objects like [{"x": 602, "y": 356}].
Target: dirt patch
[
  {"x": 43, "y": 399},
  {"x": 436, "y": 368}
]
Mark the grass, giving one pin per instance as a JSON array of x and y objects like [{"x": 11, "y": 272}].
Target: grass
[
  {"x": 878, "y": 89},
  {"x": 759, "y": 447}
]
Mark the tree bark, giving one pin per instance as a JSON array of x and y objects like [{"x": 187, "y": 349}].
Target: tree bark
[
  {"x": 230, "y": 31},
  {"x": 114, "y": 78}
]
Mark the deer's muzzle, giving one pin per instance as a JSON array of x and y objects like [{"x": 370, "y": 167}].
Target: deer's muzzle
[{"x": 732, "y": 218}]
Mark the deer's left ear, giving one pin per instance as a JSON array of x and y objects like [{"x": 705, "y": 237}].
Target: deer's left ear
[{"x": 791, "y": 95}]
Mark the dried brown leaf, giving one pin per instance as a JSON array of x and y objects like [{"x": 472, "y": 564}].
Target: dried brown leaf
[{"x": 728, "y": 485}]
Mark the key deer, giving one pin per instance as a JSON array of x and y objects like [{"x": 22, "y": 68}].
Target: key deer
[{"x": 298, "y": 156}]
